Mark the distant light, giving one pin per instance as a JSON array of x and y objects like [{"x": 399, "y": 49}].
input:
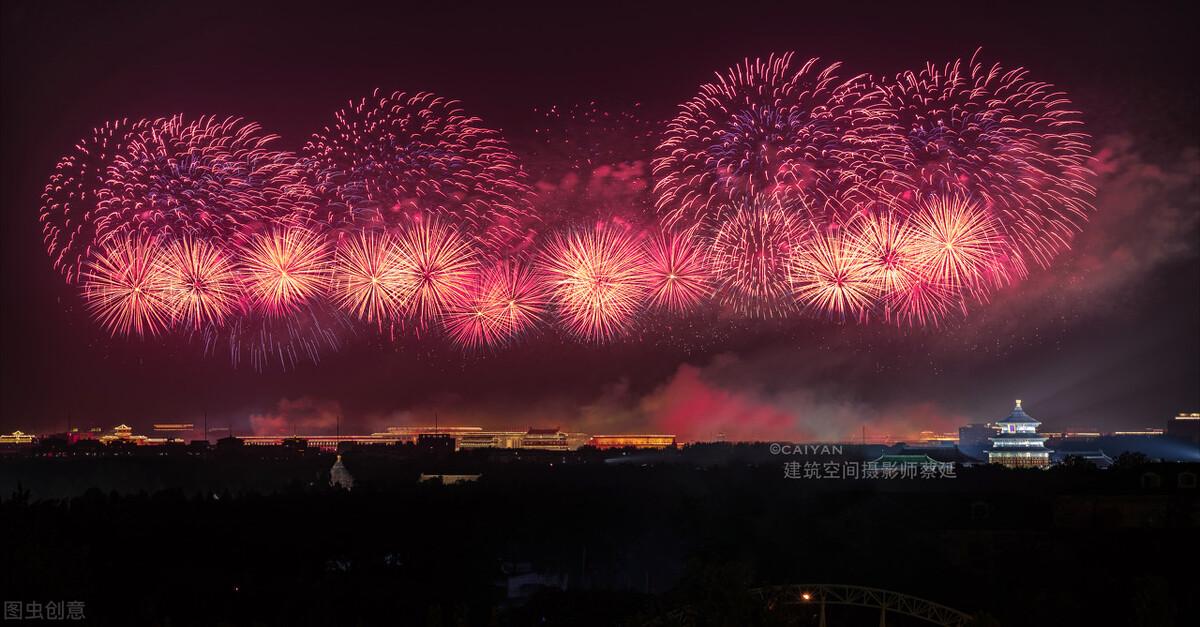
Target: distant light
[{"x": 806, "y": 596}]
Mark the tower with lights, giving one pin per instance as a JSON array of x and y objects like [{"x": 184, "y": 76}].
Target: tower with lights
[{"x": 1017, "y": 443}]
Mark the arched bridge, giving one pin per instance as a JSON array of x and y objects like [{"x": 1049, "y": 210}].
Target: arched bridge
[{"x": 822, "y": 594}]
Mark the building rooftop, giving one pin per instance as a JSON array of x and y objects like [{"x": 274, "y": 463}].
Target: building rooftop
[{"x": 1019, "y": 415}]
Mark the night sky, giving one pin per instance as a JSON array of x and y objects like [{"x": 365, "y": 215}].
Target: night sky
[{"x": 1108, "y": 337}]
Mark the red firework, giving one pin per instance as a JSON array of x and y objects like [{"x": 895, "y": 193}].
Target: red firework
[
  {"x": 508, "y": 300},
  {"x": 68, "y": 213},
  {"x": 763, "y": 127},
  {"x": 206, "y": 178},
  {"x": 957, "y": 244},
  {"x": 284, "y": 269},
  {"x": 388, "y": 157},
  {"x": 370, "y": 277},
  {"x": 832, "y": 275},
  {"x": 126, "y": 287},
  {"x": 597, "y": 278},
  {"x": 202, "y": 283},
  {"x": 751, "y": 257},
  {"x": 437, "y": 267},
  {"x": 677, "y": 268},
  {"x": 1014, "y": 144}
]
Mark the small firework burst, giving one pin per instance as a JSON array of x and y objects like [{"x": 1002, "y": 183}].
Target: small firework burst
[
  {"x": 677, "y": 268},
  {"x": 436, "y": 269},
  {"x": 957, "y": 244},
  {"x": 284, "y": 269},
  {"x": 202, "y": 283},
  {"x": 126, "y": 287},
  {"x": 831, "y": 275},
  {"x": 751, "y": 258},
  {"x": 508, "y": 299},
  {"x": 370, "y": 277},
  {"x": 598, "y": 280}
]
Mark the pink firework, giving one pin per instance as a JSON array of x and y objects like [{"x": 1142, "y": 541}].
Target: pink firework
[
  {"x": 202, "y": 282},
  {"x": 68, "y": 213},
  {"x": 389, "y": 157},
  {"x": 1014, "y": 144},
  {"x": 437, "y": 268},
  {"x": 751, "y": 257},
  {"x": 957, "y": 244},
  {"x": 126, "y": 287},
  {"x": 508, "y": 300},
  {"x": 598, "y": 280},
  {"x": 370, "y": 277},
  {"x": 885, "y": 239},
  {"x": 284, "y": 269},
  {"x": 677, "y": 268},
  {"x": 831, "y": 275},
  {"x": 923, "y": 301},
  {"x": 764, "y": 127},
  {"x": 205, "y": 178}
]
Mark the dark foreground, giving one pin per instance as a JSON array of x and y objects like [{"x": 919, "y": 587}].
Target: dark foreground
[{"x": 248, "y": 538}]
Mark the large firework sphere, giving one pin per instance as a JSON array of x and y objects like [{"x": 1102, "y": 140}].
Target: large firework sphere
[
  {"x": 768, "y": 128},
  {"x": 387, "y": 157}
]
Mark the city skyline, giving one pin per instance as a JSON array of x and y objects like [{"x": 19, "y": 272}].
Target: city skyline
[{"x": 1106, "y": 336}]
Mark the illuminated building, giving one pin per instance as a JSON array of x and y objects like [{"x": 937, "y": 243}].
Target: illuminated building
[
  {"x": 123, "y": 434},
  {"x": 632, "y": 441},
  {"x": 340, "y": 477},
  {"x": 450, "y": 479},
  {"x": 17, "y": 437},
  {"x": 1185, "y": 427},
  {"x": 490, "y": 439},
  {"x": 1018, "y": 444},
  {"x": 544, "y": 440}
]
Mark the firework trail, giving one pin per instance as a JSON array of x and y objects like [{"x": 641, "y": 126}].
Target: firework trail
[
  {"x": 68, "y": 210},
  {"x": 751, "y": 257},
  {"x": 678, "y": 271},
  {"x": 832, "y": 275},
  {"x": 126, "y": 287},
  {"x": 202, "y": 283},
  {"x": 436, "y": 269},
  {"x": 284, "y": 269},
  {"x": 764, "y": 128},
  {"x": 388, "y": 158},
  {"x": 205, "y": 178},
  {"x": 598, "y": 281},
  {"x": 370, "y": 277},
  {"x": 1012, "y": 143}
]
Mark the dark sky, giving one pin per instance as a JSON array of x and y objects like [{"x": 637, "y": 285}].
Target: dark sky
[{"x": 1108, "y": 337}]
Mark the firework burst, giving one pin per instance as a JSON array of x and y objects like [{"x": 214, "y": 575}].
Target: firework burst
[
  {"x": 598, "y": 280},
  {"x": 1013, "y": 143},
  {"x": 205, "y": 178},
  {"x": 284, "y": 269},
  {"x": 370, "y": 277},
  {"x": 955, "y": 243},
  {"x": 751, "y": 257},
  {"x": 508, "y": 300},
  {"x": 763, "y": 127},
  {"x": 436, "y": 269},
  {"x": 202, "y": 283},
  {"x": 677, "y": 268},
  {"x": 832, "y": 275},
  {"x": 387, "y": 158},
  {"x": 126, "y": 287},
  {"x": 68, "y": 211}
]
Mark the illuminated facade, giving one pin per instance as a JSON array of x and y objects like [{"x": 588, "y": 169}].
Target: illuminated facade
[
  {"x": 545, "y": 440},
  {"x": 1018, "y": 444},
  {"x": 632, "y": 441},
  {"x": 17, "y": 437}
]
